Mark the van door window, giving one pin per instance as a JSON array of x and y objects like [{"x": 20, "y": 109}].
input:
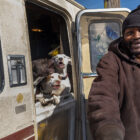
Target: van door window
[
  {"x": 100, "y": 36},
  {"x": 96, "y": 32},
  {"x": 1, "y": 71}
]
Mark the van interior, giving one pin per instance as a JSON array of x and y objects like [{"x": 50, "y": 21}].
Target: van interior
[
  {"x": 47, "y": 36},
  {"x": 47, "y": 31}
]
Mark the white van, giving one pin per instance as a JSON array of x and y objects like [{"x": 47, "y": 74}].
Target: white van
[{"x": 35, "y": 29}]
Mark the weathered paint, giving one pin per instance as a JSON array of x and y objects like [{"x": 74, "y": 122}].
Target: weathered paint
[
  {"x": 26, "y": 134},
  {"x": 14, "y": 41}
]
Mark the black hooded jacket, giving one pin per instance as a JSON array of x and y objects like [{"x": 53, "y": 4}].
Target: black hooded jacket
[{"x": 114, "y": 99}]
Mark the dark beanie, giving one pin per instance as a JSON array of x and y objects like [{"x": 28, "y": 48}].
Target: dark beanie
[{"x": 132, "y": 20}]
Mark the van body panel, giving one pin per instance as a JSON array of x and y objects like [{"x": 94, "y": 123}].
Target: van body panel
[{"x": 14, "y": 41}]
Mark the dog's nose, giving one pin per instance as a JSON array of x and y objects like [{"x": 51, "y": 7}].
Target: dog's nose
[
  {"x": 60, "y": 58},
  {"x": 57, "y": 82}
]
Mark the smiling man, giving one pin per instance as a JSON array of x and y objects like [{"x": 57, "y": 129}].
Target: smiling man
[
  {"x": 132, "y": 41},
  {"x": 114, "y": 99}
]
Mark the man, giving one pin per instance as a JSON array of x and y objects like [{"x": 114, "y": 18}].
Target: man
[{"x": 114, "y": 99}]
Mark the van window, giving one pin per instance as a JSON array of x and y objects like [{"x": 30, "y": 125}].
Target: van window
[
  {"x": 48, "y": 37},
  {"x": 100, "y": 36},
  {"x": 1, "y": 71}
]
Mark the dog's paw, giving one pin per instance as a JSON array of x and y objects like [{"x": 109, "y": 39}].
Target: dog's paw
[
  {"x": 43, "y": 101},
  {"x": 72, "y": 94},
  {"x": 56, "y": 99}
]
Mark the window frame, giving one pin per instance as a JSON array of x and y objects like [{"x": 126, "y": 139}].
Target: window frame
[{"x": 2, "y": 83}]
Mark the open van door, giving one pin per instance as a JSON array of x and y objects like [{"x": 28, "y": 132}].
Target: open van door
[{"x": 95, "y": 30}]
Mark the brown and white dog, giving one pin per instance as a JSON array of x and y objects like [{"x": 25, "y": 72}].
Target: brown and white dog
[
  {"x": 42, "y": 67},
  {"x": 51, "y": 87}
]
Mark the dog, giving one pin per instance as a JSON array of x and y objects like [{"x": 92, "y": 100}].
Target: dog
[
  {"x": 42, "y": 67},
  {"x": 61, "y": 62},
  {"x": 51, "y": 87},
  {"x": 51, "y": 78}
]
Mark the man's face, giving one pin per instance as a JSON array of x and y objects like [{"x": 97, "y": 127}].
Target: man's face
[{"x": 132, "y": 40}]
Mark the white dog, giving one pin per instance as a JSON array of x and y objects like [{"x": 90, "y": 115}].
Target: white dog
[{"x": 60, "y": 64}]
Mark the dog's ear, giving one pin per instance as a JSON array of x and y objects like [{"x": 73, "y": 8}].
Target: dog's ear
[
  {"x": 50, "y": 70},
  {"x": 54, "y": 57},
  {"x": 38, "y": 80},
  {"x": 69, "y": 61},
  {"x": 48, "y": 78},
  {"x": 68, "y": 58}
]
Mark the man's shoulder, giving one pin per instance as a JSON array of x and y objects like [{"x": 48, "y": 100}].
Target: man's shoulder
[{"x": 110, "y": 56}]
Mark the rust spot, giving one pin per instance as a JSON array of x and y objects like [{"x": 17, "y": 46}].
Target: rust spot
[{"x": 19, "y": 98}]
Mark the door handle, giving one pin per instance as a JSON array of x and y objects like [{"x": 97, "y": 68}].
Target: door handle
[{"x": 89, "y": 75}]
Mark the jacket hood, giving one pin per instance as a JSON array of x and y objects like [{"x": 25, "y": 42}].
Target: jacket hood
[{"x": 118, "y": 47}]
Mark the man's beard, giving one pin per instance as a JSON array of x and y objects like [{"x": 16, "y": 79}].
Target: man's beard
[{"x": 133, "y": 46}]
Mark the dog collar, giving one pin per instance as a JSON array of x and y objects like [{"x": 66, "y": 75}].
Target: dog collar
[{"x": 64, "y": 77}]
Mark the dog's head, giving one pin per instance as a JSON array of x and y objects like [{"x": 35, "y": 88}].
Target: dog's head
[
  {"x": 61, "y": 61},
  {"x": 51, "y": 82}
]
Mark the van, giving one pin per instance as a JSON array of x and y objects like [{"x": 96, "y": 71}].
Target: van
[{"x": 40, "y": 29}]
